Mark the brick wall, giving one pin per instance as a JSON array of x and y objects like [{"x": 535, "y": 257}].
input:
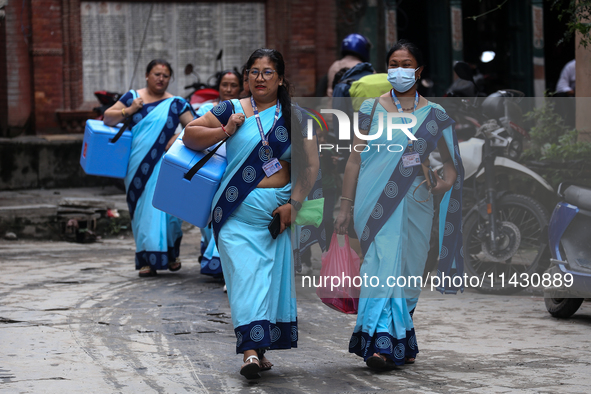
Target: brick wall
[
  {"x": 304, "y": 31},
  {"x": 3, "y": 76},
  {"x": 47, "y": 52},
  {"x": 16, "y": 96},
  {"x": 47, "y": 72}
]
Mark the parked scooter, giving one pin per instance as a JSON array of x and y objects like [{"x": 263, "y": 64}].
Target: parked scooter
[
  {"x": 568, "y": 280},
  {"x": 502, "y": 230}
]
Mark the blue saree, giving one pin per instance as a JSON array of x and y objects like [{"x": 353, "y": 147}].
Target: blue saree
[
  {"x": 210, "y": 257},
  {"x": 157, "y": 234},
  {"x": 257, "y": 268},
  {"x": 394, "y": 226}
]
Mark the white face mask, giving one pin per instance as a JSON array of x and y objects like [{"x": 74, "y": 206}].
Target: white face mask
[{"x": 402, "y": 79}]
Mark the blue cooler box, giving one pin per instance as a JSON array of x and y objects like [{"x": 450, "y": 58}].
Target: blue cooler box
[
  {"x": 99, "y": 155},
  {"x": 188, "y": 200}
]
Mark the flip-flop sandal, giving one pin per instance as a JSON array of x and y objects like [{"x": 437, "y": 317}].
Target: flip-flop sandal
[
  {"x": 409, "y": 360},
  {"x": 250, "y": 369},
  {"x": 379, "y": 364},
  {"x": 177, "y": 261},
  {"x": 147, "y": 272}
]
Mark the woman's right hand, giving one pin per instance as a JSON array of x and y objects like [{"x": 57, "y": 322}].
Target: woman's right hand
[
  {"x": 235, "y": 121},
  {"x": 341, "y": 224},
  {"x": 135, "y": 106}
]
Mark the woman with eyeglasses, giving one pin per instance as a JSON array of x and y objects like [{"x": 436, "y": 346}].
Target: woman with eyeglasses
[
  {"x": 393, "y": 211},
  {"x": 155, "y": 115},
  {"x": 257, "y": 186}
]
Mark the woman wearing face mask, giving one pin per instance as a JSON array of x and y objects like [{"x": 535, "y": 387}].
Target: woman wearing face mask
[{"x": 393, "y": 211}]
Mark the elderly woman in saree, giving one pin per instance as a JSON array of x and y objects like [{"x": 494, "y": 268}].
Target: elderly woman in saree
[
  {"x": 256, "y": 186},
  {"x": 393, "y": 212},
  {"x": 155, "y": 115}
]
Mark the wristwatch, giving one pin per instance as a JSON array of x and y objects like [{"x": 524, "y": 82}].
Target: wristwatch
[{"x": 295, "y": 204}]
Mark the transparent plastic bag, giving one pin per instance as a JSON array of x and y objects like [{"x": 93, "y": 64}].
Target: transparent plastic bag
[{"x": 338, "y": 276}]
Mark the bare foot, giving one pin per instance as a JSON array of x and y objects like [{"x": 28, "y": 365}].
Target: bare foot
[{"x": 265, "y": 364}]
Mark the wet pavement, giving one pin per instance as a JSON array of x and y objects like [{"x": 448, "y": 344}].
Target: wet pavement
[{"x": 76, "y": 318}]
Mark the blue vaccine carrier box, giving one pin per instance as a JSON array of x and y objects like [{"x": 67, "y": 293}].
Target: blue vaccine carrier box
[
  {"x": 99, "y": 155},
  {"x": 188, "y": 200}
]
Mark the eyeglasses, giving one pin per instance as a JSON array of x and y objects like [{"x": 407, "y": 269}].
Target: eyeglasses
[{"x": 267, "y": 73}]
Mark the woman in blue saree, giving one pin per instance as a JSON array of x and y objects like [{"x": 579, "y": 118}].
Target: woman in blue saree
[
  {"x": 155, "y": 115},
  {"x": 229, "y": 84},
  {"x": 257, "y": 268},
  {"x": 393, "y": 212}
]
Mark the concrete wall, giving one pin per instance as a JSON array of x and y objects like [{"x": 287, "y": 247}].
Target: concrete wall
[{"x": 31, "y": 162}]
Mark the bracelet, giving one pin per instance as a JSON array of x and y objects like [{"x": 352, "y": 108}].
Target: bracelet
[
  {"x": 225, "y": 132},
  {"x": 347, "y": 198},
  {"x": 123, "y": 112}
]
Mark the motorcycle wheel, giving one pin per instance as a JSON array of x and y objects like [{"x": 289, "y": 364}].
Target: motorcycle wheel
[
  {"x": 562, "y": 307},
  {"x": 523, "y": 250}
]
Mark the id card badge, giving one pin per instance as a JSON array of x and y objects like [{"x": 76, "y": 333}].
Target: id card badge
[
  {"x": 411, "y": 159},
  {"x": 271, "y": 167}
]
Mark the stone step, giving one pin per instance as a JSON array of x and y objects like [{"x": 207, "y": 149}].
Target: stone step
[{"x": 55, "y": 213}]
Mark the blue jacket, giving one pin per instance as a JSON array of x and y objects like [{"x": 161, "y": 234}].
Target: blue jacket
[{"x": 353, "y": 74}]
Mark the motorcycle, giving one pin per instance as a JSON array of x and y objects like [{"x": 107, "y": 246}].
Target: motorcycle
[
  {"x": 203, "y": 92},
  {"x": 568, "y": 280},
  {"x": 500, "y": 109},
  {"x": 107, "y": 99},
  {"x": 502, "y": 230}
]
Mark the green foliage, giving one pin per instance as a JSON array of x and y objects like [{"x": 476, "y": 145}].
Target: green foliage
[
  {"x": 552, "y": 140},
  {"x": 577, "y": 15},
  {"x": 116, "y": 225},
  {"x": 555, "y": 152}
]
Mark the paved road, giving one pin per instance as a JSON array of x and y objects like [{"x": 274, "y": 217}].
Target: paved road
[{"x": 76, "y": 318}]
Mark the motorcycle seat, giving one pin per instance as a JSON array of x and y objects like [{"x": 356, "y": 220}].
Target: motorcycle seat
[{"x": 578, "y": 196}]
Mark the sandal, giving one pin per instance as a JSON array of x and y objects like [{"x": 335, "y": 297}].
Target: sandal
[
  {"x": 250, "y": 369},
  {"x": 409, "y": 360},
  {"x": 378, "y": 362},
  {"x": 147, "y": 271},
  {"x": 175, "y": 265}
]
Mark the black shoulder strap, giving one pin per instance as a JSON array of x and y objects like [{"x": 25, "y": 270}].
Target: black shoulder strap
[
  {"x": 373, "y": 111},
  {"x": 122, "y": 129},
  {"x": 189, "y": 175}
]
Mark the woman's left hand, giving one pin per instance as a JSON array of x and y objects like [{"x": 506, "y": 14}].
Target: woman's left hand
[
  {"x": 171, "y": 141},
  {"x": 448, "y": 180},
  {"x": 286, "y": 213},
  {"x": 442, "y": 185}
]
